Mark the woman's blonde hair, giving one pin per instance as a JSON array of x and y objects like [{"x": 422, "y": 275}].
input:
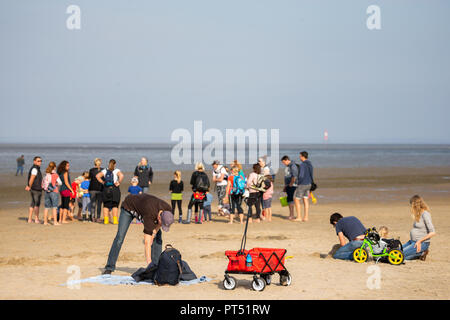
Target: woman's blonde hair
[
  {"x": 177, "y": 175},
  {"x": 418, "y": 206},
  {"x": 236, "y": 163},
  {"x": 199, "y": 166},
  {"x": 97, "y": 161}
]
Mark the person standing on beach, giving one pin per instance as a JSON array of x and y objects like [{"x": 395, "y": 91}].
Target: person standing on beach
[
  {"x": 176, "y": 187},
  {"x": 50, "y": 184},
  {"x": 421, "y": 233},
  {"x": 350, "y": 228},
  {"x": 95, "y": 191},
  {"x": 305, "y": 179},
  {"x": 20, "y": 164},
  {"x": 35, "y": 187},
  {"x": 200, "y": 185},
  {"x": 155, "y": 214},
  {"x": 65, "y": 191},
  {"x": 255, "y": 195},
  {"x": 144, "y": 173},
  {"x": 264, "y": 166},
  {"x": 290, "y": 186},
  {"x": 220, "y": 177},
  {"x": 111, "y": 178},
  {"x": 235, "y": 191}
]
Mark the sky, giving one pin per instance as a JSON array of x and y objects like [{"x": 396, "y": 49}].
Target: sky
[{"x": 136, "y": 71}]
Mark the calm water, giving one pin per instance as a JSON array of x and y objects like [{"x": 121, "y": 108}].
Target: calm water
[{"x": 128, "y": 155}]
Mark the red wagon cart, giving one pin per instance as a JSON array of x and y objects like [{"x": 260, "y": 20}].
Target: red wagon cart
[{"x": 264, "y": 263}]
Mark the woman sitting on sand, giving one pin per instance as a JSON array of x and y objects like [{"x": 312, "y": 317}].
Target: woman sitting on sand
[
  {"x": 65, "y": 191},
  {"x": 422, "y": 231}
]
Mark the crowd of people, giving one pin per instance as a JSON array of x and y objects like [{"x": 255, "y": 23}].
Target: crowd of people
[{"x": 100, "y": 187}]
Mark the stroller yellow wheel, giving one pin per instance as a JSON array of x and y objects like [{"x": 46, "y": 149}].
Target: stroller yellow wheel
[
  {"x": 396, "y": 257},
  {"x": 360, "y": 255}
]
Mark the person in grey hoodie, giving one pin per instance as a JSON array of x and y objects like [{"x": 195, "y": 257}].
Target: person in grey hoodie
[{"x": 305, "y": 180}]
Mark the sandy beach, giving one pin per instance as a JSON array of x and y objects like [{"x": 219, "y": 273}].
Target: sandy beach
[{"x": 34, "y": 258}]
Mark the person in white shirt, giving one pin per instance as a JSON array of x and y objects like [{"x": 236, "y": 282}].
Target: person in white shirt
[{"x": 220, "y": 176}]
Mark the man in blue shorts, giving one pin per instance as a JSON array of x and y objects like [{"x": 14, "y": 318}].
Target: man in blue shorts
[{"x": 350, "y": 228}]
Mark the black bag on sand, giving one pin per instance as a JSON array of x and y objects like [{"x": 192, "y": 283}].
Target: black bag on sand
[
  {"x": 145, "y": 274},
  {"x": 187, "y": 274},
  {"x": 169, "y": 267},
  {"x": 169, "y": 273}
]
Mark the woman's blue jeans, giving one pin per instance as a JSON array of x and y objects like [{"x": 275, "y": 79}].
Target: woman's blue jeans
[
  {"x": 125, "y": 219},
  {"x": 411, "y": 253}
]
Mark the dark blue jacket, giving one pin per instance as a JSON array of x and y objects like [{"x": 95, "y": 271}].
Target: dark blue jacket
[{"x": 305, "y": 175}]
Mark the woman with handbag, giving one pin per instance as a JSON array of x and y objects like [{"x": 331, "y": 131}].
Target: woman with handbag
[{"x": 65, "y": 190}]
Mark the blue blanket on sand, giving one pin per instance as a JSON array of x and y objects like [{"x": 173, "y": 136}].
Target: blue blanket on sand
[{"x": 128, "y": 280}]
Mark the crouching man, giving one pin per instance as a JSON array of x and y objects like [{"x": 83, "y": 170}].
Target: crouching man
[{"x": 154, "y": 213}]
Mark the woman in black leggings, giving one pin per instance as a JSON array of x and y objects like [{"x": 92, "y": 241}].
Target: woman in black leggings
[{"x": 176, "y": 189}]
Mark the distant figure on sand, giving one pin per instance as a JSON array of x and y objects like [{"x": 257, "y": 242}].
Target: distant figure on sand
[
  {"x": 305, "y": 179},
  {"x": 50, "y": 184},
  {"x": 34, "y": 185},
  {"x": 235, "y": 191},
  {"x": 200, "y": 184},
  {"x": 95, "y": 191},
  {"x": 290, "y": 186},
  {"x": 65, "y": 191},
  {"x": 421, "y": 233},
  {"x": 176, "y": 187},
  {"x": 134, "y": 188},
  {"x": 144, "y": 173},
  {"x": 254, "y": 197},
  {"x": 220, "y": 177},
  {"x": 20, "y": 164},
  {"x": 111, "y": 178},
  {"x": 267, "y": 197},
  {"x": 350, "y": 228},
  {"x": 156, "y": 215}
]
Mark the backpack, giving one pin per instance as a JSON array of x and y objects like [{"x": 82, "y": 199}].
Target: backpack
[
  {"x": 109, "y": 178},
  {"x": 169, "y": 267},
  {"x": 201, "y": 182},
  {"x": 238, "y": 185},
  {"x": 50, "y": 186}
]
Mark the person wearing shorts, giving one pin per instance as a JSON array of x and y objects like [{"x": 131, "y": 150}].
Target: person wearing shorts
[
  {"x": 50, "y": 185},
  {"x": 111, "y": 191},
  {"x": 290, "y": 185},
  {"x": 34, "y": 185},
  {"x": 305, "y": 179}
]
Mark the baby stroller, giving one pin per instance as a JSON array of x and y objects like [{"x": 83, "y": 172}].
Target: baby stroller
[{"x": 262, "y": 263}]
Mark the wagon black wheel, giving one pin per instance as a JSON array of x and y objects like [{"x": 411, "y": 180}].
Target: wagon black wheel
[
  {"x": 285, "y": 279},
  {"x": 268, "y": 279},
  {"x": 229, "y": 283},
  {"x": 258, "y": 284}
]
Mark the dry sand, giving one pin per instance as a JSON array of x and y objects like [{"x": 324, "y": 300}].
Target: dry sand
[{"x": 34, "y": 258}]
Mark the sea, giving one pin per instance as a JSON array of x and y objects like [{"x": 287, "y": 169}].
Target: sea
[{"x": 161, "y": 157}]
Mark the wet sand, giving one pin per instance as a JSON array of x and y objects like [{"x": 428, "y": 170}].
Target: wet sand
[{"x": 34, "y": 259}]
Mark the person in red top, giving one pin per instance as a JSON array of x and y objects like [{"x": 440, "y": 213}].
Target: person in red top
[{"x": 74, "y": 197}]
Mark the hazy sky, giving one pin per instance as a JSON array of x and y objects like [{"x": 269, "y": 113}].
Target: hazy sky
[{"x": 137, "y": 70}]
